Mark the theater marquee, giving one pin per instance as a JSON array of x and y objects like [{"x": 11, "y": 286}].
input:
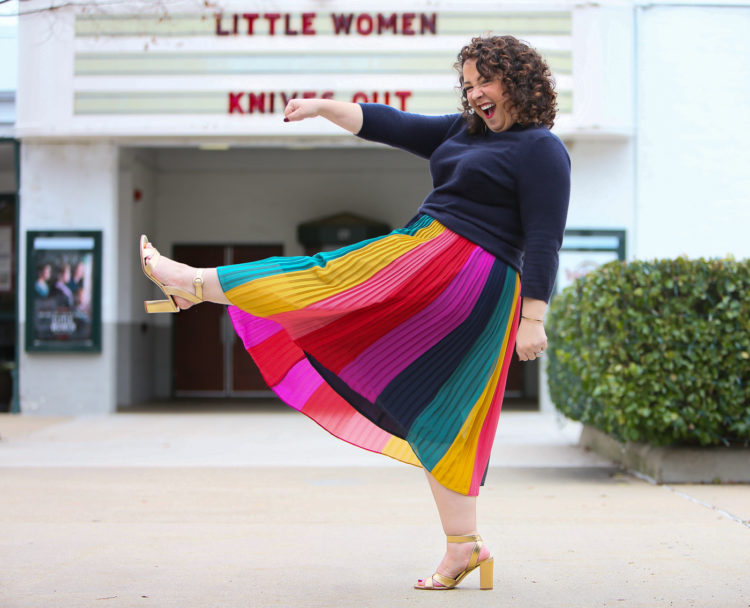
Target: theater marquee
[{"x": 232, "y": 72}]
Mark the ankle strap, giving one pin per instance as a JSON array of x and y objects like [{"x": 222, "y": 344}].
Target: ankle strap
[
  {"x": 468, "y": 538},
  {"x": 198, "y": 283},
  {"x": 471, "y": 538}
]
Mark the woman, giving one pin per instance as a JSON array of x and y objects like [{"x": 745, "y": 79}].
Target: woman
[
  {"x": 401, "y": 344},
  {"x": 43, "y": 275},
  {"x": 61, "y": 291}
]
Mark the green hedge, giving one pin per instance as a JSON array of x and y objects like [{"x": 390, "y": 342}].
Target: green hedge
[{"x": 657, "y": 352}]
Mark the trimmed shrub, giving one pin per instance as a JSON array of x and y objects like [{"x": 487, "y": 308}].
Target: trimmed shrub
[{"x": 656, "y": 352}]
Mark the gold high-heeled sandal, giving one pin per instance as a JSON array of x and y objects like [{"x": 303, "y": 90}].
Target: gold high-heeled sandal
[
  {"x": 486, "y": 567},
  {"x": 168, "y": 305}
]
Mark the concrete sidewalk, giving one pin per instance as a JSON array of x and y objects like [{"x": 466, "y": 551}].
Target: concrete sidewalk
[{"x": 262, "y": 508}]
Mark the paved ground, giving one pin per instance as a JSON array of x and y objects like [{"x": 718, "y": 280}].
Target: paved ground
[{"x": 260, "y": 509}]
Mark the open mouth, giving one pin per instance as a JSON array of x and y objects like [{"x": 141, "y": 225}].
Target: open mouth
[{"x": 488, "y": 109}]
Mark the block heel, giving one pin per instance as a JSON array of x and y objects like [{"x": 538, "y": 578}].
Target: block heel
[{"x": 486, "y": 573}]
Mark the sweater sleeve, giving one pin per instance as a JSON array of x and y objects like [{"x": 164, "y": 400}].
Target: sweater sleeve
[
  {"x": 544, "y": 192},
  {"x": 415, "y": 133}
]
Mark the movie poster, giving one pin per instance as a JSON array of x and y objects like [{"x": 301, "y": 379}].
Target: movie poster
[{"x": 63, "y": 303}]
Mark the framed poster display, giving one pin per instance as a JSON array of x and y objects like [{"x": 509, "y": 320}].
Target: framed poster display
[
  {"x": 584, "y": 250},
  {"x": 63, "y": 290}
]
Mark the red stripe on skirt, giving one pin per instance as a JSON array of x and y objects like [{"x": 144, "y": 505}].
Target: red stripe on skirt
[{"x": 333, "y": 345}]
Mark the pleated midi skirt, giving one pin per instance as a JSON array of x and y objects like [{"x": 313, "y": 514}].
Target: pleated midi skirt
[{"x": 399, "y": 344}]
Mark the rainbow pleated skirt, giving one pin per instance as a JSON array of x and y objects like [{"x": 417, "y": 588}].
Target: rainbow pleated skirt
[{"x": 399, "y": 344}]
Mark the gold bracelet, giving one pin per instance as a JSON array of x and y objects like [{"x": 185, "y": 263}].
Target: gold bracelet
[{"x": 532, "y": 319}]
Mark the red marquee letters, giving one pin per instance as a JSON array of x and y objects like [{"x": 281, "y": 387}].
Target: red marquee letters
[
  {"x": 303, "y": 25},
  {"x": 378, "y": 23},
  {"x": 347, "y": 24},
  {"x": 268, "y": 102}
]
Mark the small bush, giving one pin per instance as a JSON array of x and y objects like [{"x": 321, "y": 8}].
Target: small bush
[{"x": 656, "y": 352}]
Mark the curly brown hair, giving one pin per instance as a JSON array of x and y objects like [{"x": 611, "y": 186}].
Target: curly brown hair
[{"x": 525, "y": 76}]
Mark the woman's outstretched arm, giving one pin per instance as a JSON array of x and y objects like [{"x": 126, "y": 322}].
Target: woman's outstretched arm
[{"x": 342, "y": 113}]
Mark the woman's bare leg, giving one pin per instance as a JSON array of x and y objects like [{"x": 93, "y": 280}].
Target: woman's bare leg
[
  {"x": 458, "y": 514},
  {"x": 176, "y": 274}
]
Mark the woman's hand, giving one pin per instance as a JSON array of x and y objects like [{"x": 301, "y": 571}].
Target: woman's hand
[
  {"x": 531, "y": 340},
  {"x": 299, "y": 109},
  {"x": 345, "y": 114}
]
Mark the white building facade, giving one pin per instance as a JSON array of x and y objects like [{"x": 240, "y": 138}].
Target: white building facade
[{"x": 169, "y": 122}]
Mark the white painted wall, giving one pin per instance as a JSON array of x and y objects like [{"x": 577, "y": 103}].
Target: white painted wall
[
  {"x": 8, "y": 46},
  {"x": 260, "y": 195},
  {"x": 71, "y": 186},
  {"x": 44, "y": 99},
  {"x": 602, "y": 70},
  {"x": 693, "y": 191},
  {"x": 602, "y": 186},
  {"x": 137, "y": 346}
]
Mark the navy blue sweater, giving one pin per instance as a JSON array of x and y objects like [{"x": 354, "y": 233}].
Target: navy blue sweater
[{"x": 507, "y": 192}]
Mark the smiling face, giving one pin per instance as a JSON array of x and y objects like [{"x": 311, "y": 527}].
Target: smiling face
[{"x": 487, "y": 98}]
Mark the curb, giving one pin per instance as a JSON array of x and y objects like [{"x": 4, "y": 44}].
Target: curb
[{"x": 672, "y": 464}]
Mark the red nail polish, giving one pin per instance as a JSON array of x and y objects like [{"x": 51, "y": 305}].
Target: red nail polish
[{"x": 286, "y": 120}]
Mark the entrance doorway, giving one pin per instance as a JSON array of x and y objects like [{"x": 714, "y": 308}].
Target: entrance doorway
[{"x": 209, "y": 359}]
